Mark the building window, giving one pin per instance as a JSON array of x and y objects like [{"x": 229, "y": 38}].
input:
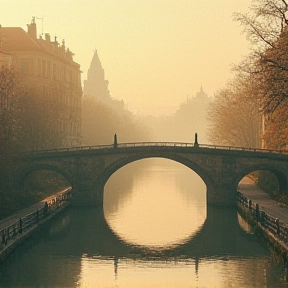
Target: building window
[
  {"x": 54, "y": 71},
  {"x": 24, "y": 66},
  {"x": 49, "y": 69},
  {"x": 44, "y": 73},
  {"x": 39, "y": 67}
]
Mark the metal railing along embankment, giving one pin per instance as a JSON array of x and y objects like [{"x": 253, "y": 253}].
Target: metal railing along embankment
[
  {"x": 26, "y": 223},
  {"x": 274, "y": 225}
]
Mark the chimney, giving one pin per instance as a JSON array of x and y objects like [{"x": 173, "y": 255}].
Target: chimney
[
  {"x": 47, "y": 37},
  {"x": 32, "y": 30}
]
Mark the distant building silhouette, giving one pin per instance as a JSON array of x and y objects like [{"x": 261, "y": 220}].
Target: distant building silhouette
[
  {"x": 97, "y": 86},
  {"x": 192, "y": 114},
  {"x": 48, "y": 67}
]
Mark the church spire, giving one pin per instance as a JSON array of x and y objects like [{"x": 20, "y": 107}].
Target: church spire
[
  {"x": 201, "y": 94},
  {"x": 96, "y": 85},
  {"x": 96, "y": 69}
]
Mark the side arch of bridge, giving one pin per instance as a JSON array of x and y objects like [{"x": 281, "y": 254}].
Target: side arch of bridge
[
  {"x": 279, "y": 172},
  {"x": 23, "y": 172}
]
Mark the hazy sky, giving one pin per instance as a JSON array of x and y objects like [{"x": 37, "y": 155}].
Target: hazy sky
[{"x": 154, "y": 52}]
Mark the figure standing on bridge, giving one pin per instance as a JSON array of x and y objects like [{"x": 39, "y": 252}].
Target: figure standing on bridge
[
  {"x": 115, "y": 141},
  {"x": 196, "y": 140}
]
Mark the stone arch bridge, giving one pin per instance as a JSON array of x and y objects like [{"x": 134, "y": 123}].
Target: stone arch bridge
[{"x": 89, "y": 168}]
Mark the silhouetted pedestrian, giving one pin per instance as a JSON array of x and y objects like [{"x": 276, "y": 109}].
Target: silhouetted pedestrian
[
  {"x": 115, "y": 141},
  {"x": 257, "y": 212},
  {"x": 20, "y": 225},
  {"x": 196, "y": 140},
  {"x": 37, "y": 216},
  {"x": 45, "y": 210},
  {"x": 4, "y": 241},
  {"x": 277, "y": 226}
]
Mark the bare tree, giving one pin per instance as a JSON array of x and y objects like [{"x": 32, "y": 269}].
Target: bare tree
[
  {"x": 9, "y": 97},
  {"x": 267, "y": 27},
  {"x": 39, "y": 121},
  {"x": 234, "y": 115}
]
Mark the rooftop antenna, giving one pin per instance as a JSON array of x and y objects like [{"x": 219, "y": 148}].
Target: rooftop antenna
[{"x": 42, "y": 22}]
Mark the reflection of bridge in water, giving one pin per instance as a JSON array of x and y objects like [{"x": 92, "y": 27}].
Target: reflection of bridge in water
[
  {"x": 89, "y": 168},
  {"x": 220, "y": 235},
  {"x": 84, "y": 231}
]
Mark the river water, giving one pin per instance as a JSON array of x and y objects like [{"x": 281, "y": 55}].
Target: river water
[{"x": 154, "y": 230}]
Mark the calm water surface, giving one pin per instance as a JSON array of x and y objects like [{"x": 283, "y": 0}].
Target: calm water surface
[{"x": 153, "y": 231}]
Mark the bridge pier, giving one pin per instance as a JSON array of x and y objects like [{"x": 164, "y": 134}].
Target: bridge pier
[
  {"x": 222, "y": 196},
  {"x": 87, "y": 195}
]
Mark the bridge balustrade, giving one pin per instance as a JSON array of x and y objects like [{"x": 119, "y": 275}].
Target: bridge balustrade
[
  {"x": 23, "y": 225},
  {"x": 275, "y": 226},
  {"x": 156, "y": 144}
]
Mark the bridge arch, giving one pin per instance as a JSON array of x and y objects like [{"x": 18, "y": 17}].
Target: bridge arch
[
  {"x": 24, "y": 172},
  {"x": 112, "y": 168},
  {"x": 278, "y": 172}
]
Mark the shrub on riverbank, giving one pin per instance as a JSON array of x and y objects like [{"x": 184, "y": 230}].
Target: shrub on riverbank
[
  {"x": 38, "y": 186},
  {"x": 268, "y": 182}
]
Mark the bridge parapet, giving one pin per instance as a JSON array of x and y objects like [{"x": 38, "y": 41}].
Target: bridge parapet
[{"x": 155, "y": 144}]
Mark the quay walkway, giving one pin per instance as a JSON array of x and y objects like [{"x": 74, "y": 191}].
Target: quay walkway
[
  {"x": 270, "y": 216},
  {"x": 248, "y": 188},
  {"x": 19, "y": 226}
]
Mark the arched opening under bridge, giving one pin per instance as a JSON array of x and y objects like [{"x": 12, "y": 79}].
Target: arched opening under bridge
[
  {"x": 38, "y": 182},
  {"x": 268, "y": 179},
  {"x": 155, "y": 202},
  {"x": 45, "y": 182}
]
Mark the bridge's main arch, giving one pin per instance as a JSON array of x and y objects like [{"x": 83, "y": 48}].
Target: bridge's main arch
[{"x": 111, "y": 169}]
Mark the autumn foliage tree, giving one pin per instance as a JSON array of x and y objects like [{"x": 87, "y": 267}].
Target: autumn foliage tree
[
  {"x": 9, "y": 95},
  {"x": 234, "y": 115},
  {"x": 38, "y": 117},
  {"x": 27, "y": 123},
  {"x": 267, "y": 27},
  {"x": 9, "y": 124}
]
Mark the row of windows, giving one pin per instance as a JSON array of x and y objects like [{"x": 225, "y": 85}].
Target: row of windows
[
  {"x": 47, "y": 70},
  {"x": 5, "y": 62},
  {"x": 68, "y": 127},
  {"x": 65, "y": 99},
  {"x": 3, "y": 103}
]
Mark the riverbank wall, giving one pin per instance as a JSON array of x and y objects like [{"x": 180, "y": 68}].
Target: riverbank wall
[
  {"x": 273, "y": 229},
  {"x": 21, "y": 228}
]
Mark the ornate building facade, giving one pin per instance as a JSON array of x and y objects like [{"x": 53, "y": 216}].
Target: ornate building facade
[{"x": 48, "y": 68}]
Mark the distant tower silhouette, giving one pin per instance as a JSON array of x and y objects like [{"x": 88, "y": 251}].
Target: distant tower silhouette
[
  {"x": 96, "y": 85},
  {"x": 201, "y": 95}
]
